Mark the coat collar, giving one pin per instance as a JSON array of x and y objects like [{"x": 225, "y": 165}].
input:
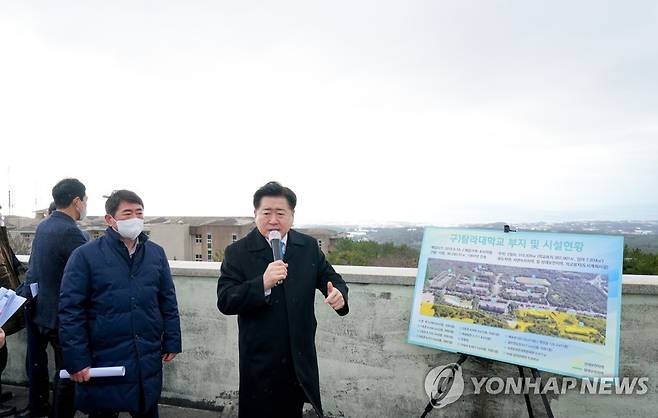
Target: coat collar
[
  {"x": 115, "y": 244},
  {"x": 61, "y": 215},
  {"x": 115, "y": 237},
  {"x": 256, "y": 243}
]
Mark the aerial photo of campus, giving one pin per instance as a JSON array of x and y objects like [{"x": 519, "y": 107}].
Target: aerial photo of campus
[{"x": 570, "y": 305}]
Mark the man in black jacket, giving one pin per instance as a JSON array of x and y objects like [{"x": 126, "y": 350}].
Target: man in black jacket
[
  {"x": 274, "y": 301},
  {"x": 55, "y": 239}
]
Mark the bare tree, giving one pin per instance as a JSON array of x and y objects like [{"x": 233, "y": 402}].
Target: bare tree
[{"x": 20, "y": 244}]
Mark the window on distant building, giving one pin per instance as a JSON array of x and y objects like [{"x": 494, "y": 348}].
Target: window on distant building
[
  {"x": 198, "y": 257},
  {"x": 209, "y": 255},
  {"x": 234, "y": 237},
  {"x": 198, "y": 239}
]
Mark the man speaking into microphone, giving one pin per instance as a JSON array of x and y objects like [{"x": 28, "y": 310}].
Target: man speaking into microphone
[{"x": 269, "y": 279}]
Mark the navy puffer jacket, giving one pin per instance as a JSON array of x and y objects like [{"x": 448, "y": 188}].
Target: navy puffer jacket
[{"x": 117, "y": 310}]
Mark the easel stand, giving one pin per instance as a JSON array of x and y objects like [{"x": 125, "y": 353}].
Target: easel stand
[{"x": 535, "y": 374}]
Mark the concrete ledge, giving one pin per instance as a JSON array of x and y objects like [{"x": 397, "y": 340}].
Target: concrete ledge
[
  {"x": 632, "y": 284},
  {"x": 353, "y": 274},
  {"x": 367, "y": 368}
]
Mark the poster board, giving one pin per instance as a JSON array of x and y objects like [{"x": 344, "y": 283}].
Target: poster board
[{"x": 550, "y": 301}]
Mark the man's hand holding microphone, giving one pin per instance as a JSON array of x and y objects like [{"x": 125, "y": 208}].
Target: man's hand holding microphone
[
  {"x": 276, "y": 271},
  {"x": 275, "y": 274}
]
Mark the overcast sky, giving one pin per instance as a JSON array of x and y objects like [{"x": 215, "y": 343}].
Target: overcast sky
[{"x": 371, "y": 111}]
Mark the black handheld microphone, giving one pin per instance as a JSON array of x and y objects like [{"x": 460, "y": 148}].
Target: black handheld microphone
[{"x": 275, "y": 242}]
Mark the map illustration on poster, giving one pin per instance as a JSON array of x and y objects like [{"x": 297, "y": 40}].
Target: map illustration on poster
[{"x": 544, "y": 300}]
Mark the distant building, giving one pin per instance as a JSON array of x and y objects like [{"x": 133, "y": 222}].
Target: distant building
[
  {"x": 326, "y": 238},
  {"x": 21, "y": 226},
  {"x": 13, "y": 222},
  {"x": 195, "y": 238},
  {"x": 532, "y": 281},
  {"x": 435, "y": 283},
  {"x": 183, "y": 238},
  {"x": 40, "y": 213},
  {"x": 464, "y": 288},
  {"x": 520, "y": 295},
  {"x": 480, "y": 291},
  {"x": 496, "y": 307},
  {"x": 191, "y": 238}
]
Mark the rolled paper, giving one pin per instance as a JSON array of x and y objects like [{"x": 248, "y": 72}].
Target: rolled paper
[{"x": 98, "y": 372}]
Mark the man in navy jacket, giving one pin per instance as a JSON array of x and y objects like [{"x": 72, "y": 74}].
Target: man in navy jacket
[
  {"x": 118, "y": 308},
  {"x": 55, "y": 239}
]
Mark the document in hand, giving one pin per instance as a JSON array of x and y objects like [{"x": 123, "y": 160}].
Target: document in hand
[
  {"x": 98, "y": 372},
  {"x": 34, "y": 288},
  {"x": 9, "y": 304}
]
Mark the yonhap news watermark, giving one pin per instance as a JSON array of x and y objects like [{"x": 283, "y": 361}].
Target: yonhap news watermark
[
  {"x": 560, "y": 386},
  {"x": 445, "y": 384}
]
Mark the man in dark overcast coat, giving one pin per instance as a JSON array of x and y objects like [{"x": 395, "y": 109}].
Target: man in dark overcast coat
[
  {"x": 274, "y": 301},
  {"x": 54, "y": 241},
  {"x": 118, "y": 308}
]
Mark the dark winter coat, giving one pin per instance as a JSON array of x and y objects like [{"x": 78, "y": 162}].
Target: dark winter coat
[
  {"x": 276, "y": 333},
  {"x": 117, "y": 310},
  {"x": 10, "y": 270},
  {"x": 54, "y": 240}
]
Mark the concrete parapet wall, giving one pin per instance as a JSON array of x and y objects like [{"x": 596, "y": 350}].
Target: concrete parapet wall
[{"x": 367, "y": 369}]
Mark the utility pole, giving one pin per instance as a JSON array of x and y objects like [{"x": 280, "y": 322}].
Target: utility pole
[{"x": 9, "y": 189}]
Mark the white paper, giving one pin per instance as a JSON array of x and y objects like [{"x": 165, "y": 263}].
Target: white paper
[
  {"x": 34, "y": 288},
  {"x": 4, "y": 298},
  {"x": 98, "y": 372},
  {"x": 9, "y": 304}
]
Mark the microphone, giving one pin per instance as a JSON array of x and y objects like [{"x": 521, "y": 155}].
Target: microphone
[{"x": 275, "y": 242}]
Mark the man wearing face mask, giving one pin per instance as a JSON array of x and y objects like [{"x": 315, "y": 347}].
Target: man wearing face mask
[
  {"x": 55, "y": 239},
  {"x": 118, "y": 308}
]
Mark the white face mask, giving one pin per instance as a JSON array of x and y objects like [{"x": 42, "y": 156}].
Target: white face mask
[
  {"x": 83, "y": 213},
  {"x": 130, "y": 228}
]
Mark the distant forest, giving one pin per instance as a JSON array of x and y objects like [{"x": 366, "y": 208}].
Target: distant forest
[
  {"x": 370, "y": 253},
  {"x": 644, "y": 243},
  {"x": 637, "y": 261},
  {"x": 400, "y": 247},
  {"x": 413, "y": 237}
]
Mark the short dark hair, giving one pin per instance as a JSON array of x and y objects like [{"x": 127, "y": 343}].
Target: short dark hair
[
  {"x": 65, "y": 191},
  {"x": 51, "y": 208},
  {"x": 275, "y": 189},
  {"x": 117, "y": 196}
]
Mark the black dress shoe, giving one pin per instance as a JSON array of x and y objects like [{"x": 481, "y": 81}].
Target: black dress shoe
[
  {"x": 32, "y": 413},
  {"x": 6, "y": 410}
]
